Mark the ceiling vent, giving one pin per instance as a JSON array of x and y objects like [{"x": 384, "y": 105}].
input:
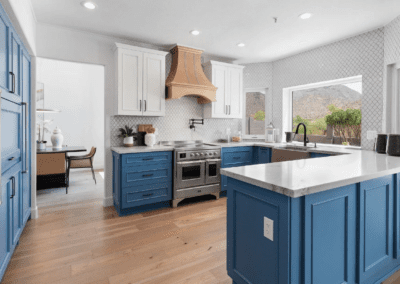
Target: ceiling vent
[{"x": 187, "y": 78}]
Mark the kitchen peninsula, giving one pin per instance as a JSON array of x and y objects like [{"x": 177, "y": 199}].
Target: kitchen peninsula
[{"x": 326, "y": 220}]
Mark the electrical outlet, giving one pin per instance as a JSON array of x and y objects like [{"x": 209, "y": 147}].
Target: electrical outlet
[
  {"x": 269, "y": 228},
  {"x": 371, "y": 134}
]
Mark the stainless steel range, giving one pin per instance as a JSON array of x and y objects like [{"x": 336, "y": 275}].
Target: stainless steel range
[{"x": 196, "y": 169}]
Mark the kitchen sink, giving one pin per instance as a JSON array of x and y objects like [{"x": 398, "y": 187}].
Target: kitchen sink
[{"x": 295, "y": 148}]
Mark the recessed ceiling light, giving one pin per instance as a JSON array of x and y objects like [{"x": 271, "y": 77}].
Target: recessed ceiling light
[
  {"x": 305, "y": 16},
  {"x": 194, "y": 32},
  {"x": 241, "y": 44},
  {"x": 89, "y": 5}
]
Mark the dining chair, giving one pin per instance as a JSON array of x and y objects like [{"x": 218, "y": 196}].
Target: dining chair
[{"x": 80, "y": 162}]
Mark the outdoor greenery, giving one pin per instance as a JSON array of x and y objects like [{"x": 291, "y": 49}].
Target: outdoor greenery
[
  {"x": 259, "y": 115},
  {"x": 346, "y": 123}
]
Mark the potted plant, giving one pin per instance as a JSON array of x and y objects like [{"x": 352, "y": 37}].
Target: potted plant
[
  {"x": 42, "y": 128},
  {"x": 128, "y": 135}
]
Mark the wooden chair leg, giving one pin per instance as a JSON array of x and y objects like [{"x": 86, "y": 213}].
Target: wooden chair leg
[
  {"x": 68, "y": 169},
  {"x": 94, "y": 177}
]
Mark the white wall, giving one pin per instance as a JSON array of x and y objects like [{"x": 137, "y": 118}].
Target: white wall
[
  {"x": 77, "y": 89},
  {"x": 23, "y": 18}
]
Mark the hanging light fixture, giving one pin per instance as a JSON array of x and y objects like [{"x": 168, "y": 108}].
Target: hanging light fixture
[{"x": 40, "y": 96}]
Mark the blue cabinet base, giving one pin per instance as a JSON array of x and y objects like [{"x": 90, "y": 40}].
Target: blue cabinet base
[
  {"x": 143, "y": 208},
  {"x": 348, "y": 234}
]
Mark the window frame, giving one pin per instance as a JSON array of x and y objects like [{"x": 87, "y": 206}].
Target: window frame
[
  {"x": 392, "y": 124},
  {"x": 263, "y": 90},
  {"x": 287, "y": 100}
]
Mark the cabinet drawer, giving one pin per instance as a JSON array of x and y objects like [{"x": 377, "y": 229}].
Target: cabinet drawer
[
  {"x": 146, "y": 158},
  {"x": 146, "y": 194},
  {"x": 237, "y": 156},
  {"x": 137, "y": 176}
]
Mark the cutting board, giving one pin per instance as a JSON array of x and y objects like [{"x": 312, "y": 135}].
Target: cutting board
[{"x": 144, "y": 127}]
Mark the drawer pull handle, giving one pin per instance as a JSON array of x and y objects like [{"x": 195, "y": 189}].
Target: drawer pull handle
[
  {"x": 12, "y": 158},
  {"x": 236, "y": 158},
  {"x": 147, "y": 194},
  {"x": 147, "y": 159},
  {"x": 149, "y": 175}
]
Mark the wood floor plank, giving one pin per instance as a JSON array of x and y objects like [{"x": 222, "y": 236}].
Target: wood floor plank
[{"x": 83, "y": 242}]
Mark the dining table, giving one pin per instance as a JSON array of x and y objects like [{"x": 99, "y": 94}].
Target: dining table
[{"x": 51, "y": 169}]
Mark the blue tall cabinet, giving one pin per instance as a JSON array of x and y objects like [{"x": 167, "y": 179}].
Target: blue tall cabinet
[{"x": 15, "y": 87}]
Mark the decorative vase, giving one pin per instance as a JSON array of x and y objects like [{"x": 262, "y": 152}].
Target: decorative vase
[
  {"x": 57, "y": 138},
  {"x": 128, "y": 141},
  {"x": 41, "y": 145},
  {"x": 150, "y": 139}
]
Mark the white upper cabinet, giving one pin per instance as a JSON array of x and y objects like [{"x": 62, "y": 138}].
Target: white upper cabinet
[
  {"x": 141, "y": 81},
  {"x": 228, "y": 78}
]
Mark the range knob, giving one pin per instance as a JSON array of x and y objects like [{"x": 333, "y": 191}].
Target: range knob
[
  {"x": 192, "y": 155},
  {"x": 197, "y": 155},
  {"x": 210, "y": 154},
  {"x": 215, "y": 153},
  {"x": 202, "y": 154}
]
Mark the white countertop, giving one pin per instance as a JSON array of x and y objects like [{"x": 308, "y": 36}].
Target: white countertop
[
  {"x": 303, "y": 177},
  {"x": 141, "y": 149}
]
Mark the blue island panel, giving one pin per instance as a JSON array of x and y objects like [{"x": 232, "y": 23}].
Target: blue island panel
[
  {"x": 330, "y": 233},
  {"x": 349, "y": 234},
  {"x": 252, "y": 258}
]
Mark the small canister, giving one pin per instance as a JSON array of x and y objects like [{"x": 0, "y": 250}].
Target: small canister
[
  {"x": 289, "y": 137},
  {"x": 393, "y": 147},
  {"x": 381, "y": 142}
]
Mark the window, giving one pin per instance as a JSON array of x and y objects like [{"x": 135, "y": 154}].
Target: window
[
  {"x": 331, "y": 111},
  {"x": 257, "y": 104}
]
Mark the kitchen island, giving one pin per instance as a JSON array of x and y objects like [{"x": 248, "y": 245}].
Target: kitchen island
[{"x": 325, "y": 220}]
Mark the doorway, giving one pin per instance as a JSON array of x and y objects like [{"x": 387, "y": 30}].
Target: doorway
[{"x": 74, "y": 94}]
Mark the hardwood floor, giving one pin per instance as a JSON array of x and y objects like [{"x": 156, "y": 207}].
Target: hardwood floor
[{"x": 84, "y": 242}]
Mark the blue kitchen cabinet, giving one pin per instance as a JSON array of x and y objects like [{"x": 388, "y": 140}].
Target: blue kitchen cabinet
[
  {"x": 11, "y": 134},
  {"x": 375, "y": 229},
  {"x": 11, "y": 214},
  {"x": 5, "y": 230},
  {"x": 4, "y": 52},
  {"x": 26, "y": 136},
  {"x": 330, "y": 228},
  {"x": 319, "y": 155},
  {"x": 15, "y": 86},
  {"x": 264, "y": 155},
  {"x": 348, "y": 234},
  {"x": 235, "y": 157},
  {"x": 142, "y": 181}
]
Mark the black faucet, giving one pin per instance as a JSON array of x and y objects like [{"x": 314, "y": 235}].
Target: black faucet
[{"x": 305, "y": 133}]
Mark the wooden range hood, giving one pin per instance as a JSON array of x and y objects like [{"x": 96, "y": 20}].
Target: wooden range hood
[{"x": 187, "y": 78}]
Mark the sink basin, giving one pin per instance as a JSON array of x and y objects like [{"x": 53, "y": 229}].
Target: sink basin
[{"x": 295, "y": 148}]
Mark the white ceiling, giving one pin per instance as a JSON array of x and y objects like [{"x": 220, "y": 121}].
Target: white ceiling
[{"x": 224, "y": 23}]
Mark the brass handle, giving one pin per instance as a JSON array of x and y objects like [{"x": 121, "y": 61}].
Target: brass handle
[
  {"x": 12, "y": 158},
  {"x": 147, "y": 194},
  {"x": 149, "y": 175}
]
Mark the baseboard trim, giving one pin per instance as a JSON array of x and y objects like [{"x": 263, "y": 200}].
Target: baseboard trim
[
  {"x": 108, "y": 201},
  {"x": 34, "y": 213}
]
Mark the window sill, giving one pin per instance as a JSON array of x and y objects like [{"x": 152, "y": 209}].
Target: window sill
[{"x": 327, "y": 145}]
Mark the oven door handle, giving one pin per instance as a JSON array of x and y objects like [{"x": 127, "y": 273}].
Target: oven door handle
[
  {"x": 213, "y": 160},
  {"x": 191, "y": 162}
]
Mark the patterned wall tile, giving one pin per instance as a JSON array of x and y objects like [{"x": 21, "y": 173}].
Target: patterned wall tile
[
  {"x": 359, "y": 55},
  {"x": 392, "y": 54}
]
